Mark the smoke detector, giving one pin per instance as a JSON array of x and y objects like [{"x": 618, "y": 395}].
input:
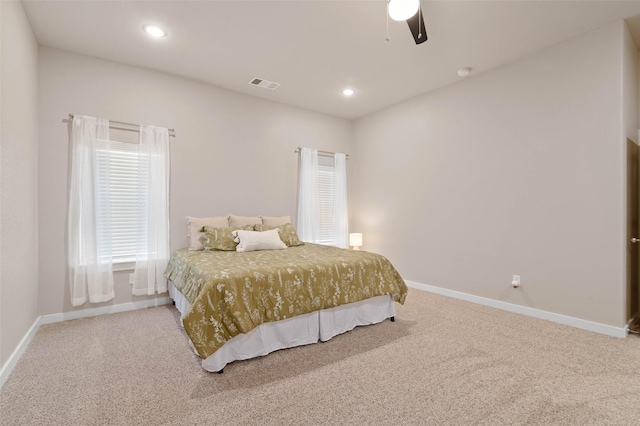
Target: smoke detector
[{"x": 265, "y": 84}]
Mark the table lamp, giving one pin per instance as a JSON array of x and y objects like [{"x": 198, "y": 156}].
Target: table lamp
[{"x": 355, "y": 240}]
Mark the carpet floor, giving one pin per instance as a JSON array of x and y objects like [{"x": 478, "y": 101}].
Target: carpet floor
[{"x": 443, "y": 362}]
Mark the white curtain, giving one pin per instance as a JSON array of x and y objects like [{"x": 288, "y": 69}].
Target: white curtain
[
  {"x": 90, "y": 266},
  {"x": 308, "y": 206},
  {"x": 152, "y": 252},
  {"x": 341, "y": 221}
]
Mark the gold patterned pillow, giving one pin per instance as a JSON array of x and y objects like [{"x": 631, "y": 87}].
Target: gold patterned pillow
[
  {"x": 220, "y": 238},
  {"x": 287, "y": 233}
]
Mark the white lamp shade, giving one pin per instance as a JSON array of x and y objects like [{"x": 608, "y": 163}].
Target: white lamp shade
[
  {"x": 355, "y": 240},
  {"x": 401, "y": 10}
]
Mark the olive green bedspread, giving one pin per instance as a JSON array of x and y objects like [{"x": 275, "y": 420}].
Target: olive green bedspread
[{"x": 232, "y": 293}]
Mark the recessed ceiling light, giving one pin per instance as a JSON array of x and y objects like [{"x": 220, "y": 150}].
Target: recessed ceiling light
[
  {"x": 463, "y": 72},
  {"x": 348, "y": 92},
  {"x": 154, "y": 31}
]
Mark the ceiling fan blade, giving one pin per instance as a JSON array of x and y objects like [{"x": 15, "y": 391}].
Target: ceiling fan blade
[{"x": 416, "y": 25}]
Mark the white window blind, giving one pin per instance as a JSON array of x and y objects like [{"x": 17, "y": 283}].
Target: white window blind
[
  {"x": 326, "y": 194},
  {"x": 117, "y": 173}
]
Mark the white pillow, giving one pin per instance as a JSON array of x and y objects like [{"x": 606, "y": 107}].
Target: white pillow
[
  {"x": 275, "y": 220},
  {"x": 254, "y": 240},
  {"x": 195, "y": 224}
]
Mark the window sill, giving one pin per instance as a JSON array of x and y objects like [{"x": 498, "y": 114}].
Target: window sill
[{"x": 124, "y": 266}]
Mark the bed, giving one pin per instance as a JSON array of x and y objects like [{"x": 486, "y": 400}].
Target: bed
[{"x": 240, "y": 305}]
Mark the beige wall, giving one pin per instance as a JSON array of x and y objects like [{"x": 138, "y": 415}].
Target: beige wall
[
  {"x": 18, "y": 178},
  {"x": 233, "y": 153},
  {"x": 518, "y": 170}
]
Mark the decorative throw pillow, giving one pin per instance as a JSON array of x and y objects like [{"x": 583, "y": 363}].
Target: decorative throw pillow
[
  {"x": 220, "y": 238},
  {"x": 287, "y": 232},
  {"x": 275, "y": 220},
  {"x": 239, "y": 221},
  {"x": 195, "y": 224},
  {"x": 253, "y": 241}
]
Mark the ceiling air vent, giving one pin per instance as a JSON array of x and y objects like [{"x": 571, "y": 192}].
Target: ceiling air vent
[{"x": 265, "y": 84}]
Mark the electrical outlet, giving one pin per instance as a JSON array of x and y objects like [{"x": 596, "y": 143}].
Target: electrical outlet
[
  {"x": 132, "y": 278},
  {"x": 515, "y": 282}
]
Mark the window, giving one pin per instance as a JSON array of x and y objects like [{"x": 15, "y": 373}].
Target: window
[
  {"x": 326, "y": 201},
  {"x": 118, "y": 167},
  {"x": 118, "y": 209}
]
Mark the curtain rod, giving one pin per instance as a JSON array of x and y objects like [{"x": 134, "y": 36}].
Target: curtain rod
[
  {"x": 323, "y": 153},
  {"x": 172, "y": 132}
]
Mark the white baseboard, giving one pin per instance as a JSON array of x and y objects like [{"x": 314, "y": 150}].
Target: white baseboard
[
  {"x": 8, "y": 366},
  {"x": 519, "y": 309},
  {"x": 609, "y": 330},
  {"x": 103, "y": 310}
]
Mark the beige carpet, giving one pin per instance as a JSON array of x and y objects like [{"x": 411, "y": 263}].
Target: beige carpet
[{"x": 443, "y": 361}]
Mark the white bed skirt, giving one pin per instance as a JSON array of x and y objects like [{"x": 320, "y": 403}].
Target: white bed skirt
[{"x": 296, "y": 331}]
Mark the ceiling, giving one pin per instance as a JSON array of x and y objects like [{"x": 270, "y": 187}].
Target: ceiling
[{"x": 316, "y": 48}]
